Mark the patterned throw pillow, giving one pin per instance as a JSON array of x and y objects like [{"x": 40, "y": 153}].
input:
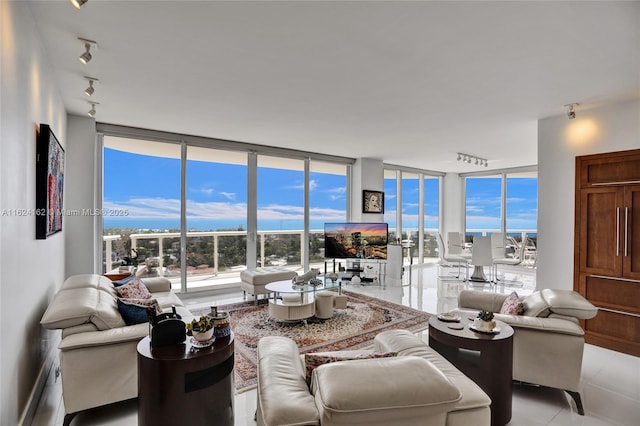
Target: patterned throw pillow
[
  {"x": 135, "y": 311},
  {"x": 312, "y": 361},
  {"x": 134, "y": 289},
  {"x": 512, "y": 305}
]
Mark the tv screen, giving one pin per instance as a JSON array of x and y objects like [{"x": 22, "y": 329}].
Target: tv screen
[{"x": 355, "y": 240}]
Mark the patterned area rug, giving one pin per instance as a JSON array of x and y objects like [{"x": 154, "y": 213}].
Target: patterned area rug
[{"x": 351, "y": 328}]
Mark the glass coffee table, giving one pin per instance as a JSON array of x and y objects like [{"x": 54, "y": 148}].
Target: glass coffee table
[{"x": 296, "y": 302}]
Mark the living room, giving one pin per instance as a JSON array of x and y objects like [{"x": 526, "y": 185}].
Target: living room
[{"x": 32, "y": 93}]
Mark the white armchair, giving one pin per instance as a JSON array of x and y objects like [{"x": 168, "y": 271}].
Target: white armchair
[{"x": 548, "y": 341}]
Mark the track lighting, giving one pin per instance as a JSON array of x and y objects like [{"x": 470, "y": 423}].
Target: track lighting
[
  {"x": 571, "y": 112},
  {"x": 78, "y": 3},
  {"x": 467, "y": 158},
  {"x": 86, "y": 56},
  {"x": 92, "y": 111},
  {"x": 89, "y": 90}
]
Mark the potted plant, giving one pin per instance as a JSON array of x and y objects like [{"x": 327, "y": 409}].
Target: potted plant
[
  {"x": 201, "y": 329},
  {"x": 484, "y": 321}
]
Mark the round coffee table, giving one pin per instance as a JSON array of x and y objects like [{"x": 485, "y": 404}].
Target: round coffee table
[
  {"x": 295, "y": 302},
  {"x": 487, "y": 359}
]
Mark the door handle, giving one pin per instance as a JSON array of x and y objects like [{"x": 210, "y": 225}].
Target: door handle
[
  {"x": 626, "y": 230},
  {"x": 618, "y": 231}
]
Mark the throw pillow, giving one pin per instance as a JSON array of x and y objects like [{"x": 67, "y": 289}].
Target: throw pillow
[
  {"x": 135, "y": 311},
  {"x": 312, "y": 361},
  {"x": 512, "y": 305},
  {"x": 124, "y": 281},
  {"x": 134, "y": 289}
]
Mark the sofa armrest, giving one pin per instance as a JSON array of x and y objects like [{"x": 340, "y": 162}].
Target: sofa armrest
[
  {"x": 553, "y": 325},
  {"x": 105, "y": 337},
  {"x": 569, "y": 303},
  {"x": 157, "y": 284},
  {"x": 283, "y": 393}
]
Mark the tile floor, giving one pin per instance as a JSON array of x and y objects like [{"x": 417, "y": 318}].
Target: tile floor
[{"x": 611, "y": 380}]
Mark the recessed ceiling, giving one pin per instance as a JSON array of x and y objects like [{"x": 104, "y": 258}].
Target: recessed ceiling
[{"x": 411, "y": 83}]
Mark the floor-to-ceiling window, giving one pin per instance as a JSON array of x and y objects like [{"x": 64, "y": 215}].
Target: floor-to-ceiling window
[
  {"x": 390, "y": 186},
  {"x": 143, "y": 183},
  {"x": 431, "y": 216},
  {"x": 522, "y": 213},
  {"x": 216, "y": 215},
  {"x": 483, "y": 205},
  {"x": 505, "y": 202},
  {"x": 327, "y": 203},
  {"x": 189, "y": 205},
  {"x": 280, "y": 211},
  {"x": 415, "y": 224}
]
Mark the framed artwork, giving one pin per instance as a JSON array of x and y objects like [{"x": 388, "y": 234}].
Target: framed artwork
[
  {"x": 372, "y": 201},
  {"x": 49, "y": 183}
]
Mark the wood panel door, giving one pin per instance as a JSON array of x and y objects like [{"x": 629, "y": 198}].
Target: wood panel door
[
  {"x": 601, "y": 211},
  {"x": 631, "y": 233}
]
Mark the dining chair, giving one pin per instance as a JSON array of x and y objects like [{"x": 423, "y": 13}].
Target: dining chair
[
  {"x": 447, "y": 257},
  {"x": 481, "y": 256},
  {"x": 513, "y": 261}
]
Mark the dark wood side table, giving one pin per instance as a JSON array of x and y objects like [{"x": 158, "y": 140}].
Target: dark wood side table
[
  {"x": 487, "y": 359},
  {"x": 182, "y": 385}
]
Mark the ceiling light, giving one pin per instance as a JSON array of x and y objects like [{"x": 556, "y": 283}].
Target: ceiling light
[
  {"x": 571, "y": 112},
  {"x": 78, "y": 3},
  {"x": 468, "y": 158},
  {"x": 89, "y": 90},
  {"x": 92, "y": 111},
  {"x": 86, "y": 56}
]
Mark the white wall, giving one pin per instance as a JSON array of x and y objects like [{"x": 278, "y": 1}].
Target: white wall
[
  {"x": 367, "y": 174},
  {"x": 452, "y": 204},
  {"x": 614, "y": 127},
  {"x": 80, "y": 196},
  {"x": 30, "y": 269}
]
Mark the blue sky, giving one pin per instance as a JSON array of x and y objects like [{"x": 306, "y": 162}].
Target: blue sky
[{"x": 148, "y": 189}]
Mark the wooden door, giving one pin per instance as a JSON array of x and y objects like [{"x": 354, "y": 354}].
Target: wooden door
[
  {"x": 631, "y": 233},
  {"x": 601, "y": 211}
]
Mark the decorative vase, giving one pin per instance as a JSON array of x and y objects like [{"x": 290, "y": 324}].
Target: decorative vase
[
  {"x": 221, "y": 323},
  {"x": 484, "y": 325},
  {"x": 203, "y": 336}
]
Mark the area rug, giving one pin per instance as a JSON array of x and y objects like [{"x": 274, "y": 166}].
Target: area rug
[{"x": 351, "y": 328}]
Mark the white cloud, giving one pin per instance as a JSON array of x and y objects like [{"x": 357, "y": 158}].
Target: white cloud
[{"x": 229, "y": 195}]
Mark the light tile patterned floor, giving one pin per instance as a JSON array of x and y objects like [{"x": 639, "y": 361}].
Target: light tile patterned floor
[{"x": 611, "y": 380}]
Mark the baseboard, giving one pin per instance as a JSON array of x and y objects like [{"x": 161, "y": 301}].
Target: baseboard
[{"x": 36, "y": 393}]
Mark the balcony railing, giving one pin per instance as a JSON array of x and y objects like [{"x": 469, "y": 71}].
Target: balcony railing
[{"x": 155, "y": 261}]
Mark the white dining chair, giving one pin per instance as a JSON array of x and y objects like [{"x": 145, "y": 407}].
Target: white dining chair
[
  {"x": 513, "y": 261},
  {"x": 481, "y": 256},
  {"x": 447, "y": 257}
]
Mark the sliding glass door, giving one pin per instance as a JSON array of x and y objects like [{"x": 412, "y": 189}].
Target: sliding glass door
[
  {"x": 216, "y": 216},
  {"x": 142, "y": 180}
]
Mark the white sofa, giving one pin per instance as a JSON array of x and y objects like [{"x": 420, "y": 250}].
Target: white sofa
[
  {"x": 418, "y": 387},
  {"x": 98, "y": 356},
  {"x": 548, "y": 341}
]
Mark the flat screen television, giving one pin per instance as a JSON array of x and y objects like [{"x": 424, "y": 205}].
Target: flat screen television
[{"x": 355, "y": 240}]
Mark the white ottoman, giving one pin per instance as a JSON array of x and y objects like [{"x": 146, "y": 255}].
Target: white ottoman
[
  {"x": 324, "y": 304},
  {"x": 253, "y": 281},
  {"x": 340, "y": 301}
]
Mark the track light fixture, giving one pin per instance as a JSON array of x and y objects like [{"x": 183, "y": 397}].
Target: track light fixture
[
  {"x": 92, "y": 111},
  {"x": 571, "y": 112},
  {"x": 468, "y": 158},
  {"x": 86, "y": 56},
  {"x": 89, "y": 90},
  {"x": 78, "y": 3}
]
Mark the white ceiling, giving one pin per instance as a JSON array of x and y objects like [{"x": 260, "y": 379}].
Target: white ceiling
[{"x": 410, "y": 83}]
